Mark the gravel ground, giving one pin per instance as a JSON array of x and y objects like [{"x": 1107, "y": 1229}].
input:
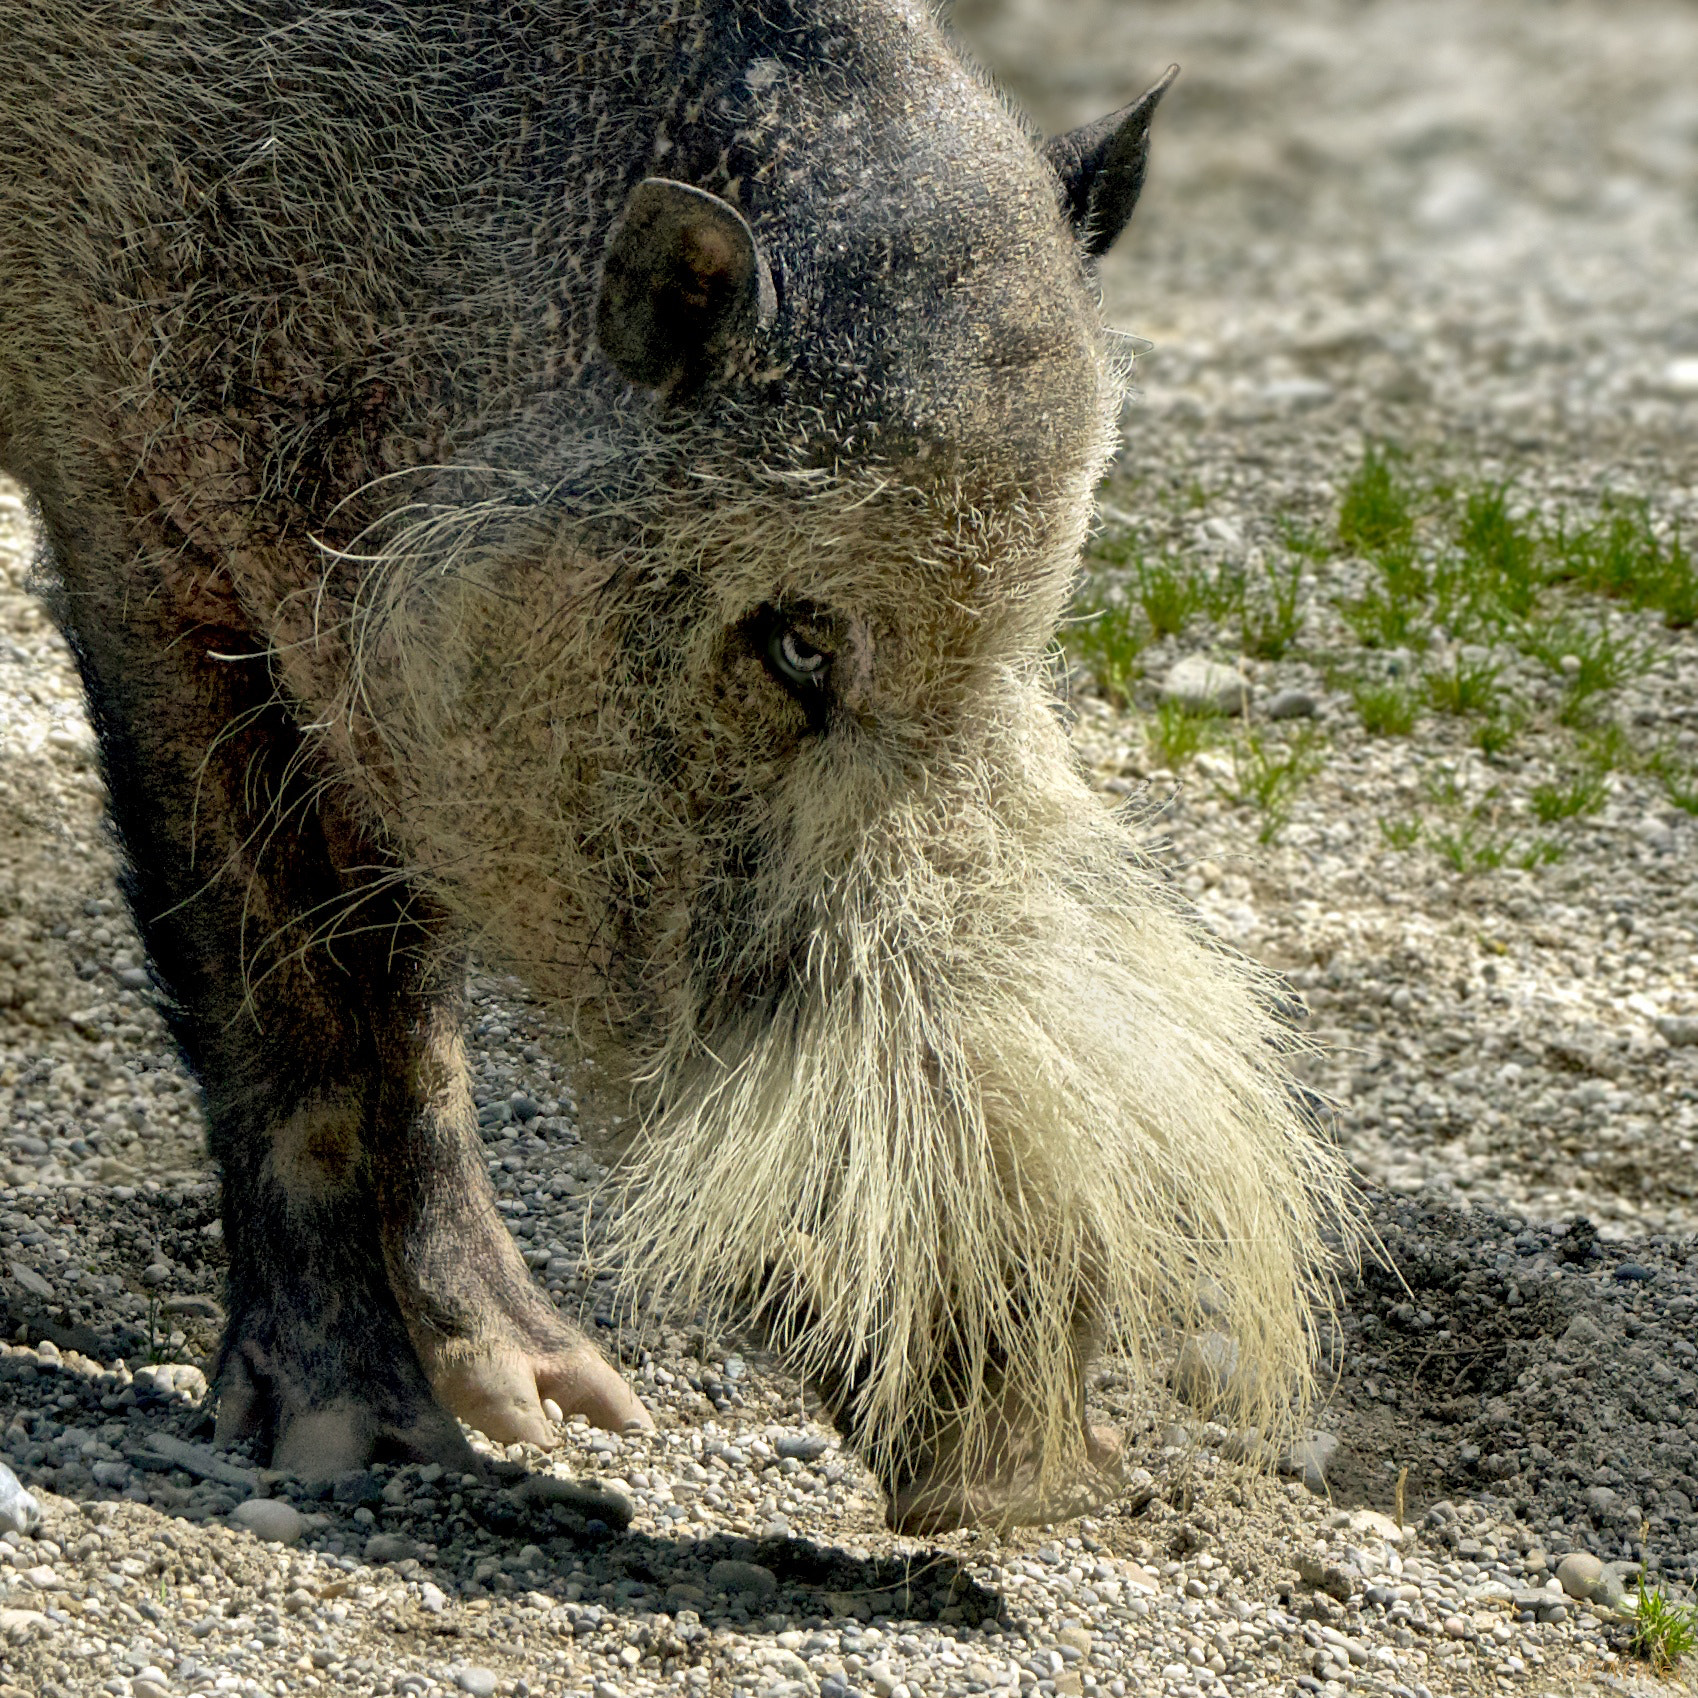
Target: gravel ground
[{"x": 1465, "y": 229}]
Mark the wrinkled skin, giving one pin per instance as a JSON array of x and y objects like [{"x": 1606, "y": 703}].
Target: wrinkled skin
[{"x": 462, "y": 549}]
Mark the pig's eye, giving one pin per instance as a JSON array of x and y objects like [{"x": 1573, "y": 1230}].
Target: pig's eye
[{"x": 796, "y": 661}]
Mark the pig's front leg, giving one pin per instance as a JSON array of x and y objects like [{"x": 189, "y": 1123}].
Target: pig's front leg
[
  {"x": 237, "y": 867},
  {"x": 316, "y": 1359},
  {"x": 491, "y": 1343},
  {"x": 302, "y": 974}
]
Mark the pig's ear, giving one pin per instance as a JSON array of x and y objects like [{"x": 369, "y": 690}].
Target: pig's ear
[
  {"x": 683, "y": 284},
  {"x": 1101, "y": 167}
]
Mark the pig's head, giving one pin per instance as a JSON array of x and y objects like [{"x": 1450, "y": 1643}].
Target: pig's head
[{"x": 734, "y": 730}]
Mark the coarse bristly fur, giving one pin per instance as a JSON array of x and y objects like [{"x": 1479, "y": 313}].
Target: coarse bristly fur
[{"x": 297, "y": 347}]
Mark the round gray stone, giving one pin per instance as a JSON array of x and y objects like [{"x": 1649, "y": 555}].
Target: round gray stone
[
  {"x": 805, "y": 1447},
  {"x": 1292, "y": 704},
  {"x": 1578, "y": 1573},
  {"x": 1204, "y": 1370},
  {"x": 270, "y": 1519},
  {"x": 750, "y": 1579},
  {"x": 1200, "y": 685},
  {"x": 1310, "y": 1457}
]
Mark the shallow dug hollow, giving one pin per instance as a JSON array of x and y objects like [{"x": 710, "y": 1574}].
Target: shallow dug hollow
[{"x": 1538, "y": 1368}]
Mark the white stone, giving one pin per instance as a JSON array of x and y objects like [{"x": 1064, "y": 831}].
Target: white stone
[
  {"x": 270, "y": 1519},
  {"x": 1201, "y": 685},
  {"x": 19, "y": 1510},
  {"x": 1370, "y": 1524},
  {"x": 1680, "y": 377},
  {"x": 1297, "y": 392}
]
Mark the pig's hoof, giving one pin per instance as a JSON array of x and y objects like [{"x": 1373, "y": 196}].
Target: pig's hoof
[
  {"x": 937, "y": 1501},
  {"x": 499, "y": 1389},
  {"x": 319, "y": 1423}
]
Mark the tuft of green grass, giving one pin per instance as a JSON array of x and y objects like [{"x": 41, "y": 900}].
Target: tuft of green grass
[
  {"x": 1393, "y": 612},
  {"x": 1496, "y": 733},
  {"x": 1387, "y": 710},
  {"x": 1443, "y": 788},
  {"x": 1400, "y": 834},
  {"x": 1585, "y": 793},
  {"x": 1610, "y": 748},
  {"x": 1376, "y": 519},
  {"x": 1468, "y": 687},
  {"x": 1176, "y": 737},
  {"x": 1109, "y": 639},
  {"x": 1268, "y": 775},
  {"x": 1468, "y": 848},
  {"x": 1678, "y": 594},
  {"x": 1268, "y": 623},
  {"x": 1608, "y": 558},
  {"x": 1541, "y": 852},
  {"x": 1376, "y": 515},
  {"x": 1171, "y": 592},
  {"x": 1621, "y": 556},
  {"x": 1663, "y": 1631},
  {"x": 1682, "y": 791},
  {"x": 1679, "y": 782},
  {"x": 1498, "y": 575},
  {"x": 1303, "y": 540},
  {"x": 1589, "y": 659}
]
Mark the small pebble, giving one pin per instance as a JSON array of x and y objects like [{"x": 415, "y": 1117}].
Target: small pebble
[
  {"x": 1291, "y": 704},
  {"x": 1680, "y": 377}
]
